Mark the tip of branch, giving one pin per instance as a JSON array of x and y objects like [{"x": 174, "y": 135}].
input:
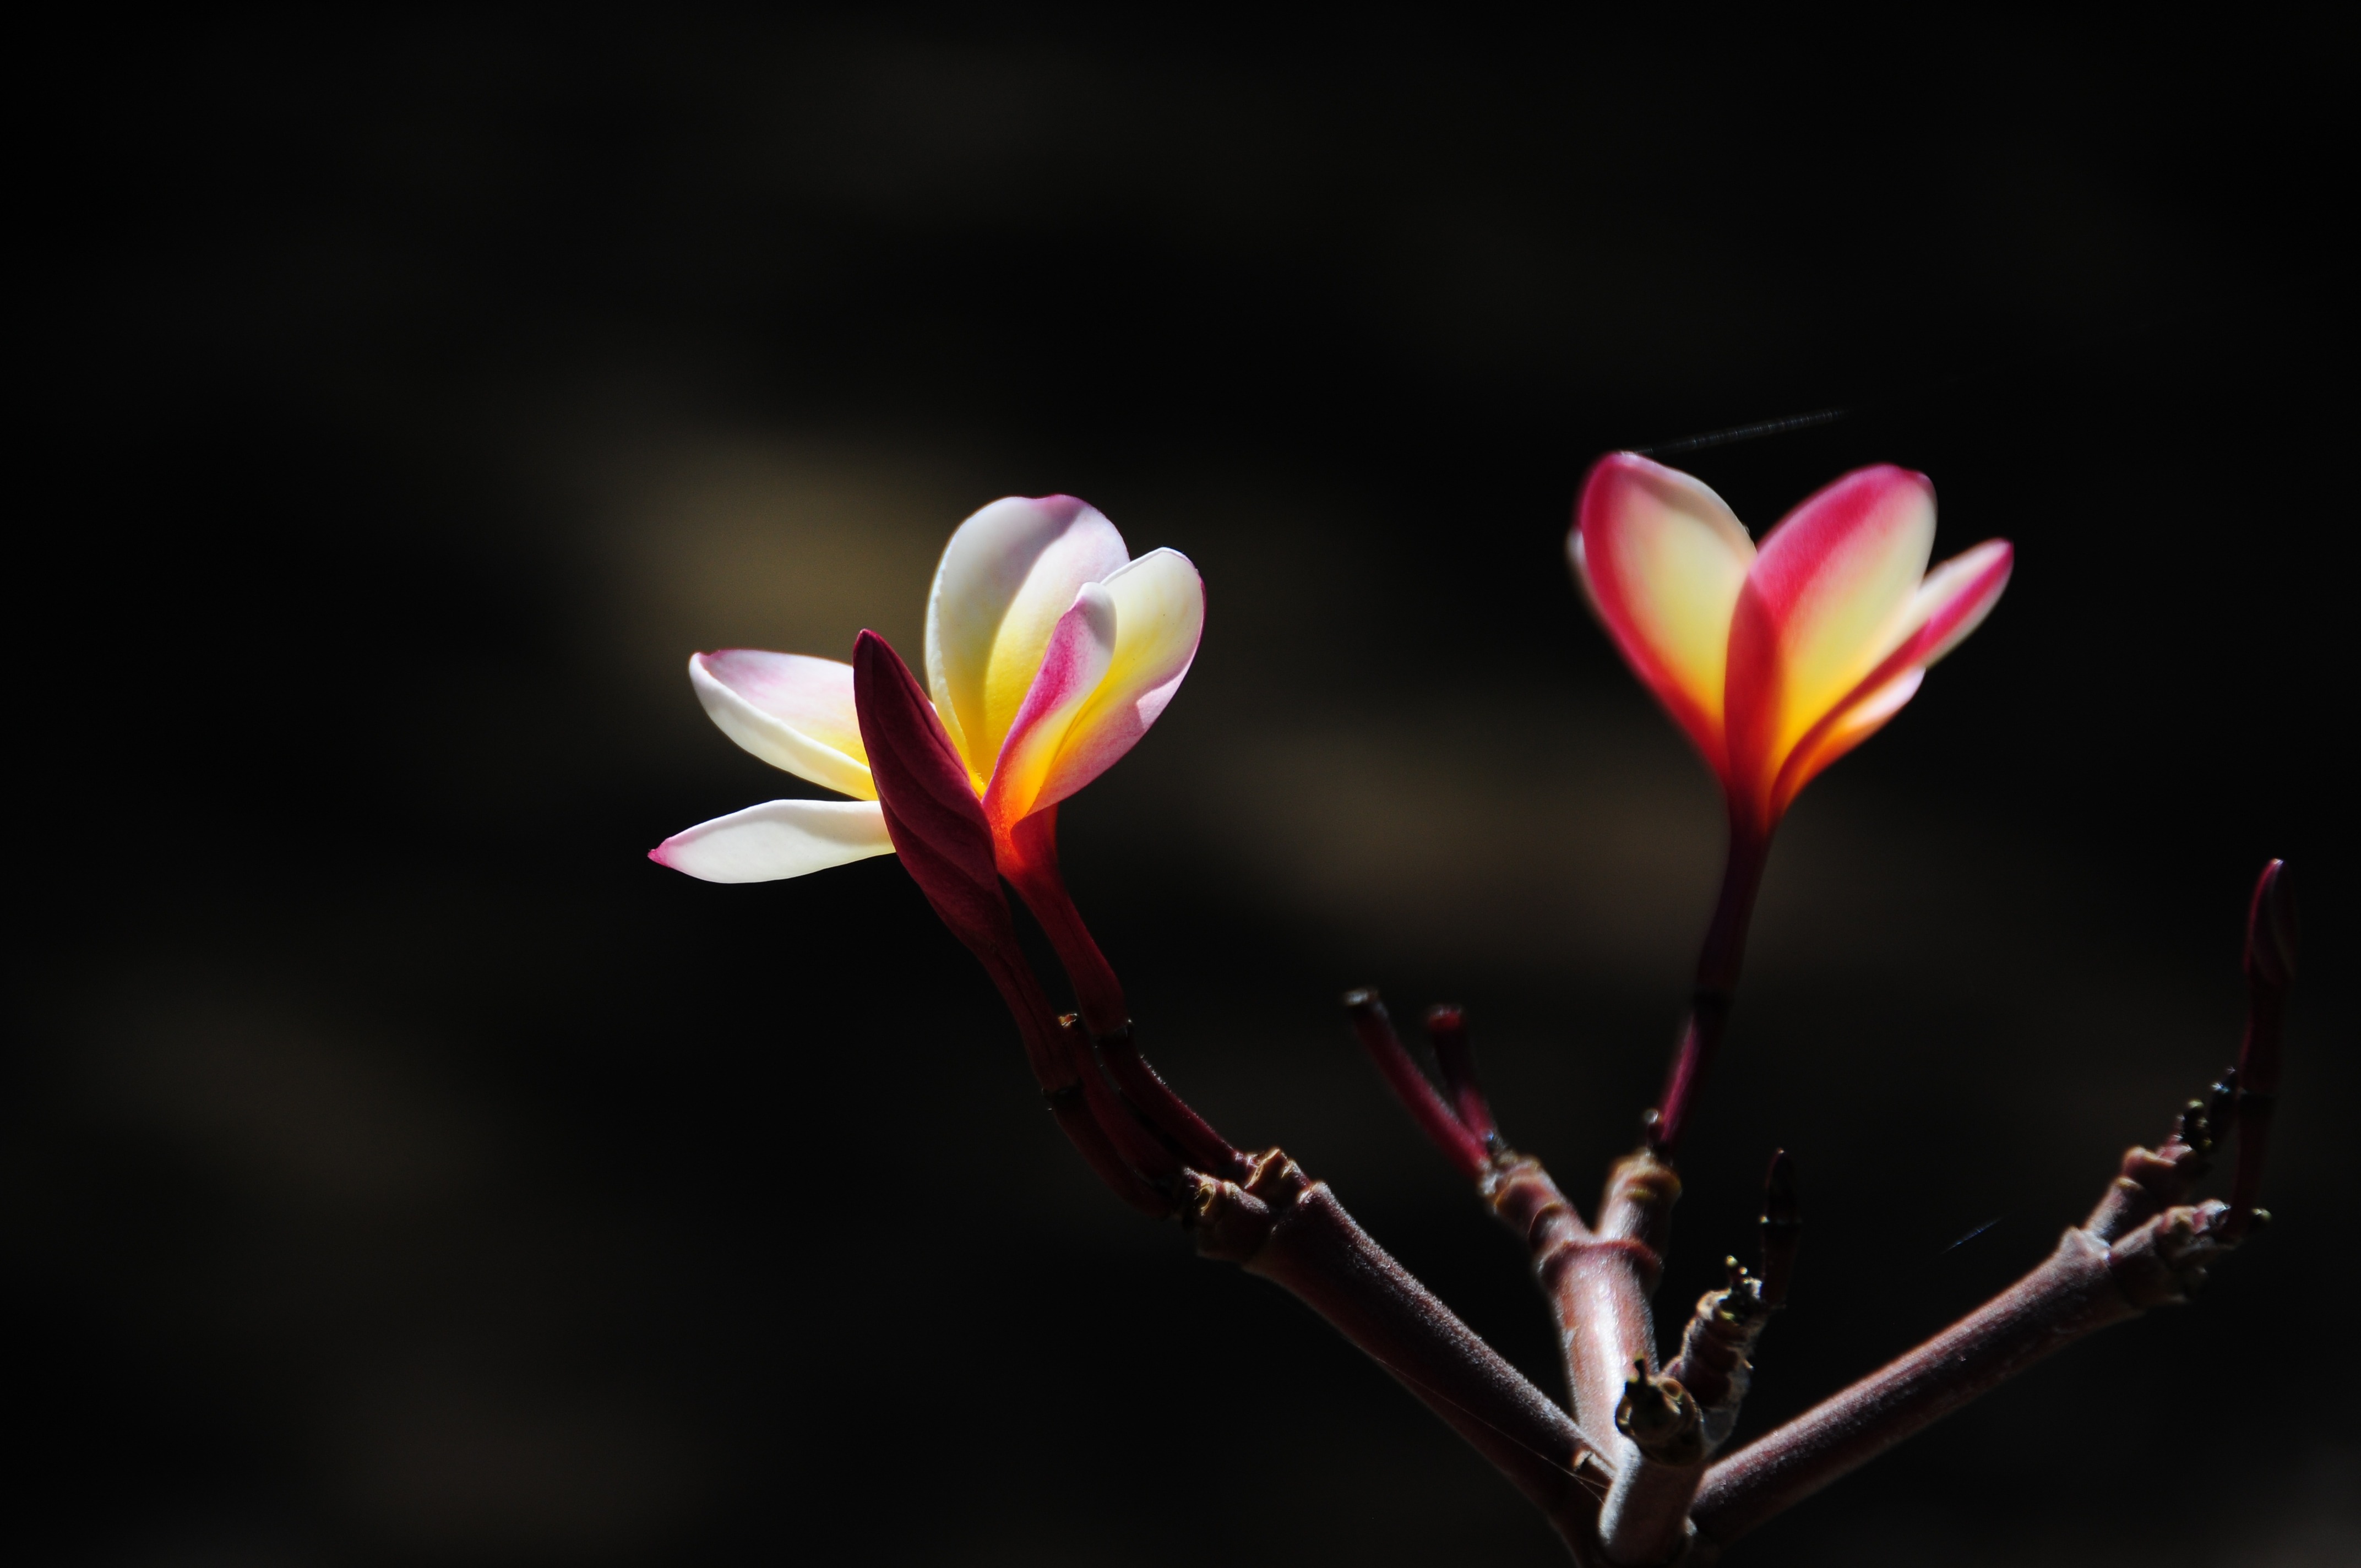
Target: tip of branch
[
  {"x": 1361, "y": 998},
  {"x": 1782, "y": 1200},
  {"x": 2271, "y": 928},
  {"x": 1783, "y": 1228},
  {"x": 1447, "y": 1030}
]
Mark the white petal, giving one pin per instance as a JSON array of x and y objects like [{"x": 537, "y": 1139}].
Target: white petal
[
  {"x": 777, "y": 840},
  {"x": 794, "y": 711}
]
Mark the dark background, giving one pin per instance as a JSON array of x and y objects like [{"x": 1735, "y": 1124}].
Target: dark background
[{"x": 402, "y": 1168}]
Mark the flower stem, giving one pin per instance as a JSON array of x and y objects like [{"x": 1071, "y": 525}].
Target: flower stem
[
  {"x": 1717, "y": 980},
  {"x": 1028, "y": 859}
]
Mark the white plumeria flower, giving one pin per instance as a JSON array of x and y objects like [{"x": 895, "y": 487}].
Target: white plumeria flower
[{"x": 1049, "y": 652}]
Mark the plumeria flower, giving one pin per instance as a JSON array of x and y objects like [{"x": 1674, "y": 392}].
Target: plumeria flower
[
  {"x": 1049, "y": 652},
  {"x": 1778, "y": 658}
]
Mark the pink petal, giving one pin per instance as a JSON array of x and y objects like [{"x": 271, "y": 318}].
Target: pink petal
[
  {"x": 1956, "y": 597},
  {"x": 1951, "y": 602},
  {"x": 1825, "y": 601}
]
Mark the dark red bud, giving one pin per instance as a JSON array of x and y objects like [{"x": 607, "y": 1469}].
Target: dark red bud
[{"x": 932, "y": 812}]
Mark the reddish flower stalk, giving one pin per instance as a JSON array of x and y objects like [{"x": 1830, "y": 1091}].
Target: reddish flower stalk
[
  {"x": 1028, "y": 859},
  {"x": 937, "y": 828},
  {"x": 1718, "y": 959}
]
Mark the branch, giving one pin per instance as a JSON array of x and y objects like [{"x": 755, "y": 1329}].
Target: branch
[
  {"x": 1290, "y": 1229},
  {"x": 2142, "y": 1246}
]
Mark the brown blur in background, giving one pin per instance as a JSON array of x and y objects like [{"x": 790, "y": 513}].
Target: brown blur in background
[{"x": 400, "y": 1169}]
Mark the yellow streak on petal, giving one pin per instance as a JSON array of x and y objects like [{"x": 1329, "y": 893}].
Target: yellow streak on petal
[
  {"x": 1006, "y": 575},
  {"x": 1026, "y": 760},
  {"x": 1685, "y": 559}
]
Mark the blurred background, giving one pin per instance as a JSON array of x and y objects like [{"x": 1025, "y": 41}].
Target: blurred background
[{"x": 400, "y": 1168}]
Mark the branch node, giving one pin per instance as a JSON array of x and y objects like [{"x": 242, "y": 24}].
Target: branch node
[
  {"x": 1231, "y": 1220},
  {"x": 2167, "y": 1260},
  {"x": 1715, "y": 1361},
  {"x": 1660, "y": 1417}
]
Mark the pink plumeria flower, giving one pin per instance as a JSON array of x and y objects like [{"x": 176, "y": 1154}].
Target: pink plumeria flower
[
  {"x": 1049, "y": 652},
  {"x": 1776, "y": 659}
]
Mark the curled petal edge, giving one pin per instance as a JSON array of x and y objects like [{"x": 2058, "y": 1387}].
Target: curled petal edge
[{"x": 773, "y": 738}]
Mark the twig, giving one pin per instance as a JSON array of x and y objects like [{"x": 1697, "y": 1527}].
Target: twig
[
  {"x": 1462, "y": 1148},
  {"x": 1447, "y": 1030},
  {"x": 2086, "y": 1284},
  {"x": 2270, "y": 969}
]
